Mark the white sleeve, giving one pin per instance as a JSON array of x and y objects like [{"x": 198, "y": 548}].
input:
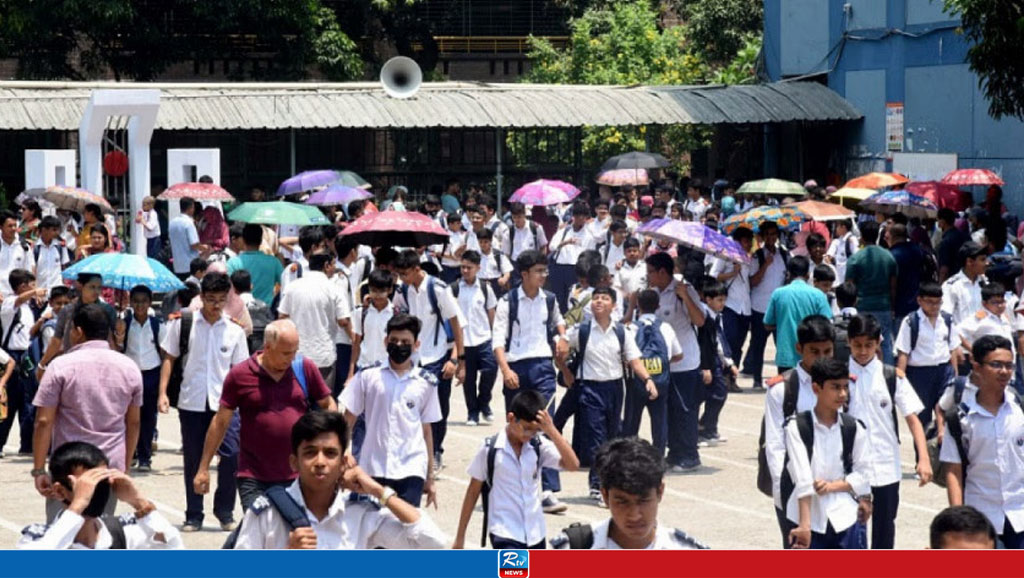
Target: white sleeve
[
  {"x": 341, "y": 306},
  {"x": 549, "y": 456},
  {"x": 799, "y": 465},
  {"x": 774, "y": 445},
  {"x": 285, "y": 306},
  {"x": 172, "y": 338},
  {"x": 542, "y": 237},
  {"x": 907, "y": 400},
  {"x": 383, "y": 530},
  {"x": 500, "y": 331},
  {"x": 449, "y": 306},
  {"x": 478, "y": 467},
  {"x": 5, "y": 357},
  {"x": 352, "y": 396},
  {"x": 357, "y": 321},
  {"x": 632, "y": 351},
  {"x": 153, "y": 532},
  {"x": 948, "y": 454},
  {"x": 252, "y": 533},
  {"x": 903, "y": 337},
  {"x": 859, "y": 478},
  {"x": 58, "y": 536},
  {"x": 431, "y": 412},
  {"x": 671, "y": 340},
  {"x": 948, "y": 298}
]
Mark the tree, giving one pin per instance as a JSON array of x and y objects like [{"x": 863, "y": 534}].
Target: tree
[
  {"x": 995, "y": 29},
  {"x": 720, "y": 28}
]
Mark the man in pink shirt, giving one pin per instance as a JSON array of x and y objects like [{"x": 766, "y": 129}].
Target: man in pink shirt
[{"x": 91, "y": 394}]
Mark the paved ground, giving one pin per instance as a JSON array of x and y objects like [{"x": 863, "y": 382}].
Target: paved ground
[{"x": 720, "y": 504}]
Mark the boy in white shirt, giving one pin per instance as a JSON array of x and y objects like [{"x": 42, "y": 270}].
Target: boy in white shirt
[
  {"x": 150, "y": 221},
  {"x": 506, "y": 471},
  {"x": 827, "y": 464},
  {"x": 369, "y": 323},
  {"x": 451, "y": 253},
  {"x": 495, "y": 267},
  {"x": 991, "y": 319},
  {"x": 477, "y": 302},
  {"x": 631, "y": 276}
]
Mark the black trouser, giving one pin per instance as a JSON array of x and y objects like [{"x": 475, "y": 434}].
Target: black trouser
[
  {"x": 148, "y": 415},
  {"x": 481, "y": 372},
  {"x": 885, "y": 502},
  {"x": 21, "y": 391},
  {"x": 499, "y": 543},
  {"x": 194, "y": 425},
  {"x": 785, "y": 526},
  {"x": 409, "y": 489}
]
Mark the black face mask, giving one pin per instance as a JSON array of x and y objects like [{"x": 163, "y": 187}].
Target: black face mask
[
  {"x": 399, "y": 353},
  {"x": 100, "y": 496}
]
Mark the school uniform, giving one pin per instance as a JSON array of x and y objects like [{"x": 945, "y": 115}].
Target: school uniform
[
  {"x": 737, "y": 312},
  {"x": 500, "y": 232},
  {"x": 715, "y": 346},
  {"x": 150, "y": 532},
  {"x": 143, "y": 347},
  {"x": 686, "y": 379},
  {"x": 600, "y": 387},
  {"x": 395, "y": 407},
  {"x": 928, "y": 363},
  {"x": 637, "y": 397},
  {"x": 630, "y": 279},
  {"x": 612, "y": 254},
  {"x": 564, "y": 258},
  {"x": 50, "y": 261},
  {"x": 983, "y": 323},
  {"x": 530, "y": 237},
  {"x": 961, "y": 297},
  {"x": 475, "y": 300},
  {"x": 16, "y": 338},
  {"x": 665, "y": 538},
  {"x": 841, "y": 249},
  {"x": 493, "y": 266},
  {"x": 832, "y": 514},
  {"x": 760, "y": 295},
  {"x": 370, "y": 324},
  {"x": 16, "y": 255},
  {"x": 515, "y": 517},
  {"x": 995, "y": 452},
  {"x": 449, "y": 262},
  {"x": 342, "y": 341},
  {"x": 871, "y": 403}
]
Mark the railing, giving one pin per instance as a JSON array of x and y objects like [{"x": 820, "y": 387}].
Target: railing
[{"x": 492, "y": 44}]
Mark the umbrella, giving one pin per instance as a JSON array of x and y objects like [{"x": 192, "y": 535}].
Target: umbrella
[
  {"x": 697, "y": 237},
  {"x": 351, "y": 179},
  {"x": 307, "y": 181},
  {"x": 124, "y": 271},
  {"x": 773, "y": 187},
  {"x": 968, "y": 177},
  {"x": 544, "y": 192},
  {"x": 847, "y": 194},
  {"x": 819, "y": 211},
  {"x": 75, "y": 199},
  {"x": 278, "y": 213},
  {"x": 940, "y": 193},
  {"x": 196, "y": 192},
  {"x": 622, "y": 177},
  {"x": 396, "y": 228},
  {"x": 890, "y": 202},
  {"x": 337, "y": 195},
  {"x": 635, "y": 160},
  {"x": 785, "y": 217},
  {"x": 877, "y": 181},
  {"x": 34, "y": 195}
]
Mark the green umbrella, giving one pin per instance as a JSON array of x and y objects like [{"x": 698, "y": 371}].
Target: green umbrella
[
  {"x": 351, "y": 179},
  {"x": 278, "y": 213},
  {"x": 772, "y": 187}
]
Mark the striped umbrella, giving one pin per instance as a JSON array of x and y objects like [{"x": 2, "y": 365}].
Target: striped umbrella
[
  {"x": 623, "y": 177},
  {"x": 891, "y": 202},
  {"x": 772, "y": 187},
  {"x": 196, "y": 192},
  {"x": 970, "y": 177},
  {"x": 75, "y": 199},
  {"x": 786, "y": 217},
  {"x": 877, "y": 181},
  {"x": 124, "y": 271}
]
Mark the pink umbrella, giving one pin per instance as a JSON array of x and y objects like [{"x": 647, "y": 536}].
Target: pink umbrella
[
  {"x": 396, "y": 228},
  {"x": 622, "y": 177},
  {"x": 196, "y": 192},
  {"x": 969, "y": 177},
  {"x": 544, "y": 192},
  {"x": 942, "y": 194}
]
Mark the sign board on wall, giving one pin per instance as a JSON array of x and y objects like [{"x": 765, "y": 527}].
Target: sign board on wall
[
  {"x": 894, "y": 127},
  {"x": 923, "y": 166}
]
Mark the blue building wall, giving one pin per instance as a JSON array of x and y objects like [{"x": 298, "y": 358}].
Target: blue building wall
[{"x": 879, "y": 51}]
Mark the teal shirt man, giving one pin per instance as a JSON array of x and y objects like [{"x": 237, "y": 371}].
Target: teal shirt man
[
  {"x": 264, "y": 269},
  {"x": 873, "y": 269},
  {"x": 787, "y": 307}
]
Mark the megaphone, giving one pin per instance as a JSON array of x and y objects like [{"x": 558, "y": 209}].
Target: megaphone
[{"x": 401, "y": 77}]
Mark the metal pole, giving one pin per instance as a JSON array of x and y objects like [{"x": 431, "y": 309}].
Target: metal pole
[
  {"x": 499, "y": 142},
  {"x": 291, "y": 147}
]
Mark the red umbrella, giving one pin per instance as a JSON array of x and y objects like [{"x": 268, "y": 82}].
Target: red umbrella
[
  {"x": 396, "y": 228},
  {"x": 942, "y": 194},
  {"x": 969, "y": 177},
  {"x": 196, "y": 192}
]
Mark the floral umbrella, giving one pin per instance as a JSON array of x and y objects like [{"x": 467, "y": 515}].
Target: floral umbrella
[
  {"x": 786, "y": 217},
  {"x": 696, "y": 236}
]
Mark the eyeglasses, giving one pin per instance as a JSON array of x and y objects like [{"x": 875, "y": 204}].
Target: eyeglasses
[{"x": 999, "y": 365}]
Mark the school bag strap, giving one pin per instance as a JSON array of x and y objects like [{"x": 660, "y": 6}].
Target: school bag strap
[
  {"x": 485, "y": 490},
  {"x": 890, "y": 374},
  {"x": 513, "y": 314},
  {"x": 581, "y": 536},
  {"x": 848, "y": 431},
  {"x": 299, "y": 369},
  {"x": 915, "y": 320},
  {"x": 115, "y": 526},
  {"x": 278, "y": 498},
  {"x": 790, "y": 393}
]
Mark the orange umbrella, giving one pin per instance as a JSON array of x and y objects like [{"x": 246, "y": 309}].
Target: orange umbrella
[
  {"x": 877, "y": 181},
  {"x": 820, "y": 211}
]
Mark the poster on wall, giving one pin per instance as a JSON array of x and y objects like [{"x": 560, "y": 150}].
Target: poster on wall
[{"x": 894, "y": 127}]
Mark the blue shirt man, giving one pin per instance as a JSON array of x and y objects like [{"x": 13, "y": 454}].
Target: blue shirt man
[
  {"x": 788, "y": 306},
  {"x": 184, "y": 238}
]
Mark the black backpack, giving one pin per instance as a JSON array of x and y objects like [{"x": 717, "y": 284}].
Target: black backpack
[
  {"x": 805, "y": 425},
  {"x": 485, "y": 490},
  {"x": 178, "y": 369},
  {"x": 915, "y": 320},
  {"x": 512, "y": 237},
  {"x": 261, "y": 316},
  {"x": 791, "y": 383},
  {"x": 513, "y": 315},
  {"x": 154, "y": 326},
  {"x": 841, "y": 349},
  {"x": 278, "y": 498},
  {"x": 581, "y": 537}
]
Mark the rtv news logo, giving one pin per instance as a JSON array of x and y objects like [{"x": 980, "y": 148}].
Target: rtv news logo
[{"x": 513, "y": 563}]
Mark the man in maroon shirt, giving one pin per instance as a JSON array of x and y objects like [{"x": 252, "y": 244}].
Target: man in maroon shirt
[{"x": 269, "y": 398}]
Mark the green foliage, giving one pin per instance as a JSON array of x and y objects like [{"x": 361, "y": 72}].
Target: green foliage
[
  {"x": 719, "y": 28},
  {"x": 995, "y": 29},
  {"x": 742, "y": 68}
]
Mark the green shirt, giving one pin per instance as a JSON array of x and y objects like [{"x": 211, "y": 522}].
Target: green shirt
[
  {"x": 787, "y": 307},
  {"x": 870, "y": 269},
  {"x": 264, "y": 269}
]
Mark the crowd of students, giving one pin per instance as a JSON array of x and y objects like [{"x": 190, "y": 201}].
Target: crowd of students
[{"x": 319, "y": 374}]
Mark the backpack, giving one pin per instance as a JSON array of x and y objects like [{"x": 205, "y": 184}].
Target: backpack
[
  {"x": 783, "y": 252},
  {"x": 915, "y": 320},
  {"x": 512, "y": 237},
  {"x": 574, "y": 316},
  {"x": 279, "y": 499},
  {"x": 959, "y": 384},
  {"x": 154, "y": 325},
  {"x": 115, "y": 526},
  {"x": 805, "y": 425},
  {"x": 764, "y": 475},
  {"x": 432, "y": 283},
  {"x": 513, "y": 315},
  {"x": 299, "y": 369},
  {"x": 36, "y": 348},
  {"x": 178, "y": 369},
  {"x": 841, "y": 349},
  {"x": 581, "y": 537},
  {"x": 62, "y": 250},
  {"x": 261, "y": 316},
  {"x": 575, "y": 361},
  {"x": 485, "y": 490},
  {"x": 15, "y": 322},
  {"x": 654, "y": 352}
]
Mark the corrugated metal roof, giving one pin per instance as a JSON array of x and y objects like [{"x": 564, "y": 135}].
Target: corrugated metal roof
[{"x": 59, "y": 105}]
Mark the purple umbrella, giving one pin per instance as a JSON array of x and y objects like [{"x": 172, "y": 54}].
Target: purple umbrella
[
  {"x": 544, "y": 192},
  {"x": 338, "y": 195},
  {"x": 307, "y": 181},
  {"x": 697, "y": 237}
]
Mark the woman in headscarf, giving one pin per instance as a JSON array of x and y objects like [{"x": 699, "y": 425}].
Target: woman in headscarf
[{"x": 214, "y": 230}]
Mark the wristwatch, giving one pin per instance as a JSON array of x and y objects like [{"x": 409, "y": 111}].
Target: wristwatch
[
  {"x": 386, "y": 494},
  {"x": 36, "y": 472}
]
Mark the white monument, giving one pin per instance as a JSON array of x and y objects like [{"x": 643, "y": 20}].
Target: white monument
[
  {"x": 187, "y": 166},
  {"x": 48, "y": 167}
]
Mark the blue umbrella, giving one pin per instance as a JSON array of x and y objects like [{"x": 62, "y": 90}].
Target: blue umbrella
[{"x": 124, "y": 271}]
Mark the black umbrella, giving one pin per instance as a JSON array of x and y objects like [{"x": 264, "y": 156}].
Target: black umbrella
[{"x": 635, "y": 160}]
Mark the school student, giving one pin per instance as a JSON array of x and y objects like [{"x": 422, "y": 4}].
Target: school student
[
  {"x": 990, "y": 319},
  {"x": 982, "y": 460},
  {"x": 18, "y": 315},
  {"x": 613, "y": 248},
  {"x": 736, "y": 277},
  {"x": 879, "y": 395},
  {"x": 369, "y": 323},
  {"x": 139, "y": 334},
  {"x": 827, "y": 467},
  {"x": 495, "y": 267},
  {"x": 451, "y": 254},
  {"x": 961, "y": 528},
  {"x": 505, "y": 471},
  {"x": 477, "y": 302},
  {"x": 927, "y": 345},
  {"x": 716, "y": 363},
  {"x": 631, "y": 276}
]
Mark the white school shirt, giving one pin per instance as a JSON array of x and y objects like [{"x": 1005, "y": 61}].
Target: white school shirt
[
  {"x": 433, "y": 342},
  {"x": 773, "y": 278},
  {"x": 150, "y": 532},
  {"x": 291, "y": 273},
  {"x": 673, "y": 311},
  {"x": 19, "y": 337},
  {"x": 475, "y": 301},
  {"x": 935, "y": 343},
  {"x": 839, "y": 508},
  {"x": 871, "y": 404},
  {"x": 696, "y": 207},
  {"x": 597, "y": 228},
  {"x": 348, "y": 525},
  {"x": 615, "y": 254},
  {"x": 960, "y": 297},
  {"x": 500, "y": 230},
  {"x": 838, "y": 251},
  {"x": 52, "y": 260},
  {"x": 315, "y": 305},
  {"x": 373, "y": 332},
  {"x": 493, "y": 265},
  {"x": 515, "y": 499},
  {"x": 456, "y": 240},
  {"x": 774, "y": 440},
  {"x": 523, "y": 240},
  {"x": 995, "y": 451},
  {"x": 983, "y": 323},
  {"x": 395, "y": 408},
  {"x": 530, "y": 330},
  {"x": 738, "y": 298},
  {"x": 13, "y": 256},
  {"x": 141, "y": 347},
  {"x": 631, "y": 278},
  {"x": 212, "y": 351},
  {"x": 570, "y": 253},
  {"x": 665, "y": 538},
  {"x": 604, "y": 357},
  {"x": 341, "y": 285},
  {"x": 150, "y": 224}
]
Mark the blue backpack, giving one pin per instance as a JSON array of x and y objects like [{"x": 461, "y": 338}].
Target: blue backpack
[
  {"x": 434, "y": 307},
  {"x": 653, "y": 351}
]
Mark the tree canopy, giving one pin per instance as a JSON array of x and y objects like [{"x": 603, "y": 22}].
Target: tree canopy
[{"x": 995, "y": 29}]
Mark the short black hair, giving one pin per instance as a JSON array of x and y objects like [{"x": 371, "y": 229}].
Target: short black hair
[
  {"x": 824, "y": 273},
  {"x": 987, "y": 344},
  {"x": 947, "y": 215},
  {"x": 798, "y": 267},
  {"x": 529, "y": 259},
  {"x": 768, "y": 226},
  {"x": 630, "y": 464},
  {"x": 92, "y": 320},
  {"x": 49, "y": 222},
  {"x": 714, "y": 288},
  {"x": 385, "y": 256},
  {"x": 252, "y": 235},
  {"x": 741, "y": 233},
  {"x": 526, "y": 404},
  {"x": 380, "y": 279},
  {"x": 18, "y": 277},
  {"x": 846, "y": 294},
  {"x": 98, "y": 212},
  {"x": 320, "y": 261},
  {"x": 618, "y": 225},
  {"x": 237, "y": 230},
  {"x": 241, "y": 280},
  {"x": 828, "y": 368},
  {"x": 60, "y": 291},
  {"x": 648, "y": 301},
  {"x": 309, "y": 237},
  {"x": 484, "y": 234},
  {"x": 869, "y": 232},
  {"x": 404, "y": 322},
  {"x": 604, "y": 291},
  {"x": 314, "y": 423},
  {"x": 407, "y": 259},
  {"x": 186, "y": 204},
  {"x": 864, "y": 325},
  {"x": 471, "y": 256},
  {"x": 517, "y": 209},
  {"x": 85, "y": 278},
  {"x": 815, "y": 329},
  {"x": 581, "y": 209},
  {"x": 595, "y": 273},
  {"x": 197, "y": 265},
  {"x": 661, "y": 262},
  {"x": 344, "y": 245},
  {"x": 215, "y": 283},
  {"x": 7, "y": 214},
  {"x": 815, "y": 240},
  {"x": 71, "y": 455},
  {"x": 141, "y": 289},
  {"x": 964, "y": 520},
  {"x": 989, "y": 291},
  {"x": 929, "y": 289},
  {"x": 185, "y": 296},
  {"x": 631, "y": 243}
]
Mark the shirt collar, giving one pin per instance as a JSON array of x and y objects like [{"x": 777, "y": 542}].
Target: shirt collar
[
  {"x": 802, "y": 374},
  {"x": 91, "y": 344},
  {"x": 871, "y": 367},
  {"x": 815, "y": 421},
  {"x": 336, "y": 507},
  {"x": 198, "y": 317}
]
